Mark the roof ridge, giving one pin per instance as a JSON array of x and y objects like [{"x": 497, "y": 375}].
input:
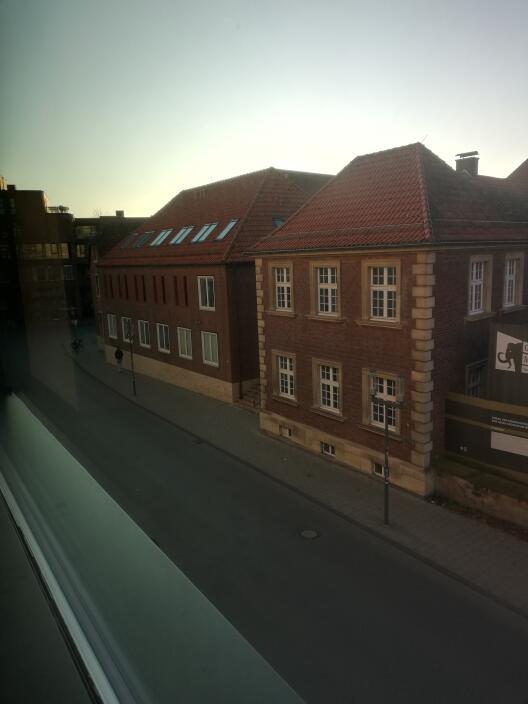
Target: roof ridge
[
  {"x": 424, "y": 191},
  {"x": 266, "y": 173}
]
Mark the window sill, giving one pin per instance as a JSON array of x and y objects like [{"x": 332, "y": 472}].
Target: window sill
[
  {"x": 380, "y": 432},
  {"x": 470, "y": 317},
  {"x": 325, "y": 318},
  {"x": 511, "y": 309},
  {"x": 146, "y": 347},
  {"x": 281, "y": 313},
  {"x": 367, "y": 322},
  {"x": 211, "y": 364},
  {"x": 183, "y": 356},
  {"x": 283, "y": 399},
  {"x": 164, "y": 351},
  {"x": 207, "y": 310},
  {"x": 327, "y": 414}
]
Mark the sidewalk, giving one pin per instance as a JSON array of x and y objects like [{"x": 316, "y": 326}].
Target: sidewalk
[{"x": 491, "y": 561}]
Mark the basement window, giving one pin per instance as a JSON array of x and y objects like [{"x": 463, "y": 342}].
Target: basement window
[
  {"x": 327, "y": 449},
  {"x": 285, "y": 431},
  {"x": 377, "y": 469}
]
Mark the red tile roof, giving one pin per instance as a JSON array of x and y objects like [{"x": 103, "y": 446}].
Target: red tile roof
[
  {"x": 252, "y": 199},
  {"x": 520, "y": 175},
  {"x": 405, "y": 195}
]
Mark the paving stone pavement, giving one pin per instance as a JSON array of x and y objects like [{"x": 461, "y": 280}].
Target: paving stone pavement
[{"x": 490, "y": 560}]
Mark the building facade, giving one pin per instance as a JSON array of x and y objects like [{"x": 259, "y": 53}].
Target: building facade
[
  {"x": 179, "y": 294},
  {"x": 375, "y": 300}
]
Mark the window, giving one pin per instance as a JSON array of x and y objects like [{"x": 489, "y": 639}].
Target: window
[
  {"x": 383, "y": 388},
  {"x": 142, "y": 239},
  {"x": 97, "y": 286},
  {"x": 327, "y": 290},
  {"x": 204, "y": 232},
  {"x": 513, "y": 280},
  {"x": 277, "y": 220},
  {"x": 163, "y": 337},
  {"x": 377, "y": 469},
  {"x": 475, "y": 378},
  {"x": 210, "y": 348},
  {"x": 327, "y": 386},
  {"x": 68, "y": 272},
  {"x": 81, "y": 250},
  {"x": 51, "y": 251},
  {"x": 284, "y": 374},
  {"x": 206, "y": 292},
  {"x": 327, "y": 449},
  {"x": 100, "y": 323},
  {"x": 227, "y": 229},
  {"x": 144, "y": 333},
  {"x": 161, "y": 237},
  {"x": 380, "y": 290},
  {"x": 383, "y": 292},
  {"x": 112, "y": 325},
  {"x": 126, "y": 329},
  {"x": 282, "y": 288},
  {"x": 181, "y": 234},
  {"x": 184, "y": 343},
  {"x": 64, "y": 251},
  {"x": 479, "y": 285}
]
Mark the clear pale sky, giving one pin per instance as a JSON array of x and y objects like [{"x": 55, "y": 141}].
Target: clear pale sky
[{"x": 119, "y": 104}]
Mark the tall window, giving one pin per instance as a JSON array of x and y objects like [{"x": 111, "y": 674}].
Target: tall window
[
  {"x": 184, "y": 343},
  {"x": 479, "y": 292},
  {"x": 97, "y": 286},
  {"x": 384, "y": 389},
  {"x": 286, "y": 376},
  {"x": 68, "y": 272},
  {"x": 327, "y": 290},
  {"x": 210, "y": 348},
  {"x": 163, "y": 337},
  {"x": 126, "y": 328},
  {"x": 329, "y": 388},
  {"x": 100, "y": 323},
  {"x": 112, "y": 325},
  {"x": 383, "y": 292},
  {"x": 206, "y": 292},
  {"x": 475, "y": 378},
  {"x": 144, "y": 333},
  {"x": 513, "y": 280},
  {"x": 283, "y": 288}
]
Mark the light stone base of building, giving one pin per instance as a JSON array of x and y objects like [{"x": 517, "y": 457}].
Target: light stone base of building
[
  {"x": 170, "y": 373},
  {"x": 403, "y": 474}
]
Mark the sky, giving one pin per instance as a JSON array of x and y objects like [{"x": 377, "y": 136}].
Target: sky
[{"x": 120, "y": 104}]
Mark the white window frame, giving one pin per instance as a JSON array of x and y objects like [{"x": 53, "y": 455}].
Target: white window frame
[
  {"x": 382, "y": 293},
  {"x": 513, "y": 280},
  {"x": 161, "y": 237},
  {"x": 144, "y": 339},
  {"x": 328, "y": 289},
  {"x": 379, "y": 385},
  {"x": 329, "y": 387},
  {"x": 163, "y": 335},
  {"x": 283, "y": 288},
  {"x": 111, "y": 321},
  {"x": 286, "y": 376},
  {"x": 479, "y": 284},
  {"x": 208, "y": 293},
  {"x": 207, "y": 346},
  {"x": 185, "y": 343},
  {"x": 126, "y": 328}
]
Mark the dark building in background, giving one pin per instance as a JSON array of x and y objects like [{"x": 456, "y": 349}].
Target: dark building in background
[{"x": 95, "y": 237}]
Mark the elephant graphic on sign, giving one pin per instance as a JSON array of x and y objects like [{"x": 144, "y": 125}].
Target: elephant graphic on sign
[{"x": 512, "y": 355}]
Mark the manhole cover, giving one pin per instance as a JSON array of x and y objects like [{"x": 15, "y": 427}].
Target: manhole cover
[{"x": 309, "y": 533}]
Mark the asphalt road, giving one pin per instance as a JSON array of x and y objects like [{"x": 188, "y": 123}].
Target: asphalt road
[{"x": 344, "y": 617}]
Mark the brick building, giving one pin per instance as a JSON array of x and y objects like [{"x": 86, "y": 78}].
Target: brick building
[
  {"x": 384, "y": 284},
  {"x": 184, "y": 285}
]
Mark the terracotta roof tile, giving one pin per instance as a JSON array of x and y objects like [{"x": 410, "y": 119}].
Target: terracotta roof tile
[
  {"x": 251, "y": 199},
  {"x": 399, "y": 196}
]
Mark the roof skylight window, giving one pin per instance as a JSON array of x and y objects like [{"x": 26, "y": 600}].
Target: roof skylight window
[
  {"x": 227, "y": 229},
  {"x": 278, "y": 220},
  {"x": 161, "y": 237},
  {"x": 204, "y": 232},
  {"x": 142, "y": 239},
  {"x": 128, "y": 240},
  {"x": 181, "y": 234}
]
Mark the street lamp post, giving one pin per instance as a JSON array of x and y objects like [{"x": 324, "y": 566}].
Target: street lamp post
[
  {"x": 386, "y": 403},
  {"x": 131, "y": 341}
]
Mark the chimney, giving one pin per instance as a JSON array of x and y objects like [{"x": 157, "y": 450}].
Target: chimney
[
  {"x": 120, "y": 213},
  {"x": 468, "y": 162}
]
